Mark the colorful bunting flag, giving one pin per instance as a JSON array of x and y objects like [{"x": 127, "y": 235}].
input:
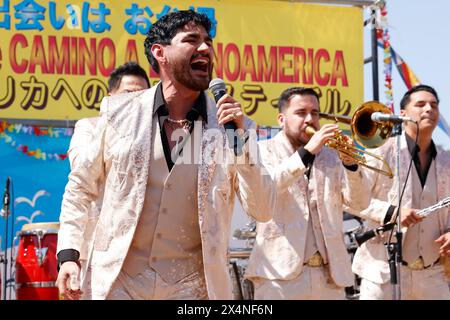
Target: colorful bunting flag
[
  {"x": 8, "y": 130},
  {"x": 411, "y": 80}
]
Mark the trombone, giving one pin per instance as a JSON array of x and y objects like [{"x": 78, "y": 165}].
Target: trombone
[{"x": 365, "y": 131}]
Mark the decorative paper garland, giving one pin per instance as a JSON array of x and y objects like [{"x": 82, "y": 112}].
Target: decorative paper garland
[
  {"x": 35, "y": 130},
  {"x": 6, "y": 128},
  {"x": 383, "y": 34}
]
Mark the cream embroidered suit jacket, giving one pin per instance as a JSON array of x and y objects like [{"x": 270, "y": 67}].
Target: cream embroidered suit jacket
[
  {"x": 82, "y": 136},
  {"x": 280, "y": 243},
  {"x": 371, "y": 259},
  {"x": 118, "y": 159}
]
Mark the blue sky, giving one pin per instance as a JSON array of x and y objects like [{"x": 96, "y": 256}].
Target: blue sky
[{"x": 419, "y": 32}]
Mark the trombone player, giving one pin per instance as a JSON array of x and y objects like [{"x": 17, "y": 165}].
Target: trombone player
[
  {"x": 426, "y": 239},
  {"x": 300, "y": 253}
]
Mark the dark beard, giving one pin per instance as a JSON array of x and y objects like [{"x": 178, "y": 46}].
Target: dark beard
[
  {"x": 183, "y": 75},
  {"x": 295, "y": 141}
]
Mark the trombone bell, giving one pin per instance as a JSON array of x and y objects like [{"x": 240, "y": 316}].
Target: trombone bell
[{"x": 367, "y": 133}]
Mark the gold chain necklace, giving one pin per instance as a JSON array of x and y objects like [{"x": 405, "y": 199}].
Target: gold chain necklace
[{"x": 176, "y": 124}]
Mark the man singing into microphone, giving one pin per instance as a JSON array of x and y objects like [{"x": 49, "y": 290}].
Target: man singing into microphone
[
  {"x": 426, "y": 239},
  {"x": 164, "y": 226}
]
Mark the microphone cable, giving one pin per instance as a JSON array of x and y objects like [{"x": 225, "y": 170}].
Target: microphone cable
[{"x": 404, "y": 185}]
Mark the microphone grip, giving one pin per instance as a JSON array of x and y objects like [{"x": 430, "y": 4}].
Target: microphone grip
[
  {"x": 6, "y": 199},
  {"x": 230, "y": 127},
  {"x": 218, "y": 93}
]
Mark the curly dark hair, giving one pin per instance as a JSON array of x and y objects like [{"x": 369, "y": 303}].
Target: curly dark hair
[{"x": 163, "y": 30}]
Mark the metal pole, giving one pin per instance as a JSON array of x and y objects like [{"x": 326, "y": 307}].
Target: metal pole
[
  {"x": 374, "y": 57},
  {"x": 397, "y": 293},
  {"x": 5, "y": 260}
]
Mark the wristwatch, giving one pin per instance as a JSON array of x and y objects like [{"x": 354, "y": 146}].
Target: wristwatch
[{"x": 67, "y": 255}]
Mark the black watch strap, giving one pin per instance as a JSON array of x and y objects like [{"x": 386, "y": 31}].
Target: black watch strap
[{"x": 67, "y": 255}]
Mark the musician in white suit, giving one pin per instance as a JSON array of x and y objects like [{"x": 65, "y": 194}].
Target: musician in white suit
[
  {"x": 300, "y": 253},
  {"x": 427, "y": 239},
  {"x": 129, "y": 77}
]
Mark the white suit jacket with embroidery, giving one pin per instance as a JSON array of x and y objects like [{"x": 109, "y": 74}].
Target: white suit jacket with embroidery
[
  {"x": 371, "y": 259},
  {"x": 280, "y": 243},
  {"x": 118, "y": 160},
  {"x": 79, "y": 144}
]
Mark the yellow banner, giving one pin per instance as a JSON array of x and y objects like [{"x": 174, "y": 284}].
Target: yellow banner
[{"x": 56, "y": 56}]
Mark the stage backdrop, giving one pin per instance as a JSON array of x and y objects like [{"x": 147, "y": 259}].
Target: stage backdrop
[{"x": 55, "y": 56}]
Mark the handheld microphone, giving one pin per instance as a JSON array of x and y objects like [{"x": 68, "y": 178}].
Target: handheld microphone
[
  {"x": 363, "y": 237},
  {"x": 386, "y": 117},
  {"x": 218, "y": 89},
  {"x": 6, "y": 199}
]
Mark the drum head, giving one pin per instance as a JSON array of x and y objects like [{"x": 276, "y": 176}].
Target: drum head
[{"x": 49, "y": 227}]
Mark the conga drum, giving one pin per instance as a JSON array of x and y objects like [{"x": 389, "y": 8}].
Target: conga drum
[{"x": 36, "y": 265}]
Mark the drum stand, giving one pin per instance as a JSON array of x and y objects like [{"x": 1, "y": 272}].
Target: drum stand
[
  {"x": 237, "y": 279},
  {"x": 352, "y": 292},
  {"x": 237, "y": 256},
  {"x": 2, "y": 259}
]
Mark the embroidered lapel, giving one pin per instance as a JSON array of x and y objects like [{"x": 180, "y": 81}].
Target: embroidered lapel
[
  {"x": 140, "y": 152},
  {"x": 208, "y": 157},
  {"x": 442, "y": 165}
]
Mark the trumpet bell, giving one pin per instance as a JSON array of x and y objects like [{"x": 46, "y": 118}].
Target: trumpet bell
[{"x": 365, "y": 131}]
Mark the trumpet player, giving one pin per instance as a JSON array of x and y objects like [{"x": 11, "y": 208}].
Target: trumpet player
[
  {"x": 426, "y": 239},
  {"x": 300, "y": 253}
]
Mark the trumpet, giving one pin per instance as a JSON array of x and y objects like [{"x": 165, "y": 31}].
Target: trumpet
[{"x": 367, "y": 133}]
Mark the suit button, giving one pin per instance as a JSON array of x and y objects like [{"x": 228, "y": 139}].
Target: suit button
[
  {"x": 164, "y": 210},
  {"x": 168, "y": 186},
  {"x": 158, "y": 236},
  {"x": 154, "y": 259}
]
